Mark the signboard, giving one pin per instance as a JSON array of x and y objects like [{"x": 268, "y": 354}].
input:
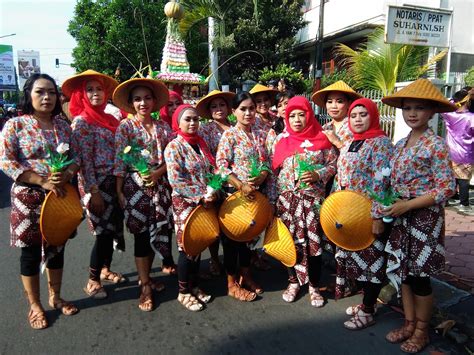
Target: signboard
[
  {"x": 418, "y": 26},
  {"x": 7, "y": 69},
  {"x": 28, "y": 63}
]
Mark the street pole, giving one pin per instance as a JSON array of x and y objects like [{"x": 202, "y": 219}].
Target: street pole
[
  {"x": 318, "y": 67},
  {"x": 213, "y": 55}
]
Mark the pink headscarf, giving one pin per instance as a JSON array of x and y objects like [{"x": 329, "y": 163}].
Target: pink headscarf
[{"x": 164, "y": 114}]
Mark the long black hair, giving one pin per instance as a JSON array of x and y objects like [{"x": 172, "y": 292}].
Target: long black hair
[
  {"x": 26, "y": 102},
  {"x": 241, "y": 96}
]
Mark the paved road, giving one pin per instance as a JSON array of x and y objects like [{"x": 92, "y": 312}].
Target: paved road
[{"x": 115, "y": 325}]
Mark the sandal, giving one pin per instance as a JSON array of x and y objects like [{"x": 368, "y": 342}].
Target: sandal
[
  {"x": 37, "y": 319},
  {"x": 112, "y": 277},
  {"x": 66, "y": 308},
  {"x": 155, "y": 285},
  {"x": 240, "y": 293},
  {"x": 352, "y": 310},
  {"x": 401, "y": 334},
  {"x": 215, "y": 268},
  {"x": 190, "y": 302},
  {"x": 316, "y": 299},
  {"x": 95, "y": 290},
  {"x": 361, "y": 320},
  {"x": 291, "y": 292},
  {"x": 146, "y": 298},
  {"x": 247, "y": 282},
  {"x": 419, "y": 339},
  {"x": 169, "y": 269},
  {"x": 200, "y": 295}
]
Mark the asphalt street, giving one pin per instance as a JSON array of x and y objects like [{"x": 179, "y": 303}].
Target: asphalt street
[{"x": 226, "y": 326}]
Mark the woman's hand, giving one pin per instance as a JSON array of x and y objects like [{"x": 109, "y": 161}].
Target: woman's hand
[
  {"x": 57, "y": 190},
  {"x": 121, "y": 199},
  {"x": 148, "y": 179},
  {"x": 257, "y": 181},
  {"x": 248, "y": 191},
  {"x": 398, "y": 208},
  {"x": 60, "y": 178},
  {"x": 207, "y": 202},
  {"x": 333, "y": 138},
  {"x": 97, "y": 205},
  {"x": 378, "y": 227},
  {"x": 309, "y": 177}
]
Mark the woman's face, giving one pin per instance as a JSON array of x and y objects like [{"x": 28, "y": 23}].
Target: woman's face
[
  {"x": 95, "y": 93},
  {"x": 189, "y": 122},
  {"x": 281, "y": 107},
  {"x": 43, "y": 96},
  {"x": 173, "y": 104},
  {"x": 297, "y": 120},
  {"x": 417, "y": 113},
  {"x": 337, "y": 106},
  {"x": 359, "y": 119},
  {"x": 218, "y": 108},
  {"x": 143, "y": 101},
  {"x": 263, "y": 103},
  {"x": 245, "y": 113}
]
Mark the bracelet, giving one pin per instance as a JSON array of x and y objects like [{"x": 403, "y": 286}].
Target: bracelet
[{"x": 94, "y": 189}]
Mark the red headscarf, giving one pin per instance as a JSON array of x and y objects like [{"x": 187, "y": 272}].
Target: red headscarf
[
  {"x": 374, "y": 128},
  {"x": 288, "y": 146},
  {"x": 191, "y": 138},
  {"x": 95, "y": 115},
  {"x": 164, "y": 114}
]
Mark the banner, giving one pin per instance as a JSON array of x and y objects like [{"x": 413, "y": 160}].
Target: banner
[
  {"x": 418, "y": 26},
  {"x": 7, "y": 69},
  {"x": 28, "y": 63}
]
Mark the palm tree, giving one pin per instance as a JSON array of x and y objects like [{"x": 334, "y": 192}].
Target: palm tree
[{"x": 379, "y": 65}]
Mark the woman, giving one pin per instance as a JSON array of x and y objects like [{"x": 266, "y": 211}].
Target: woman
[
  {"x": 237, "y": 145},
  {"x": 166, "y": 112},
  {"x": 93, "y": 138},
  {"x": 144, "y": 195},
  {"x": 216, "y": 105},
  {"x": 423, "y": 178},
  {"x": 362, "y": 166},
  {"x": 24, "y": 144},
  {"x": 264, "y": 98},
  {"x": 298, "y": 194},
  {"x": 188, "y": 161},
  {"x": 281, "y": 100}
]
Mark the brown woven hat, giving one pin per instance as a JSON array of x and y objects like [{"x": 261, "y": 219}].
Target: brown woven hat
[
  {"x": 202, "y": 106},
  {"x": 60, "y": 216},
  {"x": 122, "y": 92},
  {"x": 241, "y": 219},
  {"x": 346, "y": 220},
  {"x": 200, "y": 230},
  {"x": 319, "y": 97},
  {"x": 73, "y": 83},
  {"x": 278, "y": 243},
  {"x": 259, "y": 88},
  {"x": 421, "y": 89}
]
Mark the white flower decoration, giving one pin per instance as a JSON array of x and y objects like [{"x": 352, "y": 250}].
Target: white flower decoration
[
  {"x": 62, "y": 148},
  {"x": 378, "y": 175},
  {"x": 306, "y": 144},
  {"x": 285, "y": 134},
  {"x": 386, "y": 172},
  {"x": 145, "y": 153}
]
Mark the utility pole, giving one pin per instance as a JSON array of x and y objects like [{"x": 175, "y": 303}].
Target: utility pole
[
  {"x": 318, "y": 67},
  {"x": 213, "y": 55}
]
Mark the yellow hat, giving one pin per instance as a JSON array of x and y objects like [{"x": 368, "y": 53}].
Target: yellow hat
[
  {"x": 241, "y": 219},
  {"x": 346, "y": 220},
  {"x": 278, "y": 243},
  {"x": 60, "y": 216},
  {"x": 421, "y": 89},
  {"x": 259, "y": 88},
  {"x": 122, "y": 92},
  {"x": 319, "y": 97},
  {"x": 200, "y": 230},
  {"x": 202, "y": 106},
  {"x": 74, "y": 83}
]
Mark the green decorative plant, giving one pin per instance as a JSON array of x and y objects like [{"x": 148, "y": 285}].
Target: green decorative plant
[{"x": 58, "y": 159}]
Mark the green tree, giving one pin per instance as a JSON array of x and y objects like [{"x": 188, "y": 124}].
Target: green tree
[
  {"x": 469, "y": 79},
  {"x": 379, "y": 65},
  {"x": 293, "y": 77},
  {"x": 104, "y": 28}
]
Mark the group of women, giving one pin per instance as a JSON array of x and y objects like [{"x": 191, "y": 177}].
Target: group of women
[{"x": 350, "y": 152}]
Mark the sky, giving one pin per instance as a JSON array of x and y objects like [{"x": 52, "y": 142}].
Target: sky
[{"x": 41, "y": 26}]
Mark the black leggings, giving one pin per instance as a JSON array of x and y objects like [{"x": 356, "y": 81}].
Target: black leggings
[
  {"x": 420, "y": 286},
  {"x": 30, "y": 260},
  {"x": 235, "y": 252},
  {"x": 168, "y": 260},
  {"x": 142, "y": 245},
  {"x": 188, "y": 272},
  {"x": 315, "y": 264},
  {"x": 101, "y": 255},
  {"x": 371, "y": 292},
  {"x": 463, "y": 191}
]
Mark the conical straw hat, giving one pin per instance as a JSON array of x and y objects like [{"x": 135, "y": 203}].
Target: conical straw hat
[
  {"x": 259, "y": 88},
  {"x": 202, "y": 106},
  {"x": 122, "y": 93},
  {"x": 60, "y": 216},
  {"x": 421, "y": 89},
  {"x": 75, "y": 82},
  {"x": 201, "y": 230},
  {"x": 346, "y": 220},
  {"x": 278, "y": 243},
  {"x": 319, "y": 97},
  {"x": 241, "y": 219}
]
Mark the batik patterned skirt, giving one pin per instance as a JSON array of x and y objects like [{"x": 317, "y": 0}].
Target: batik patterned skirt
[{"x": 182, "y": 208}]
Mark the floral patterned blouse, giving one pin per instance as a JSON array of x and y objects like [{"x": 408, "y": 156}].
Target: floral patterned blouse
[
  {"x": 211, "y": 132},
  {"x": 96, "y": 146},
  {"x": 423, "y": 169},
  {"x": 262, "y": 125},
  {"x": 131, "y": 131},
  {"x": 23, "y": 145},
  {"x": 187, "y": 170},
  {"x": 366, "y": 169},
  {"x": 343, "y": 133}
]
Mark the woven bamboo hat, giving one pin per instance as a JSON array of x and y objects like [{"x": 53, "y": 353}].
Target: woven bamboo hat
[
  {"x": 241, "y": 219},
  {"x": 200, "y": 230},
  {"x": 259, "y": 88},
  {"x": 319, "y": 97},
  {"x": 60, "y": 216},
  {"x": 346, "y": 220},
  {"x": 278, "y": 243},
  {"x": 75, "y": 82},
  {"x": 421, "y": 89},
  {"x": 202, "y": 106},
  {"x": 122, "y": 93}
]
